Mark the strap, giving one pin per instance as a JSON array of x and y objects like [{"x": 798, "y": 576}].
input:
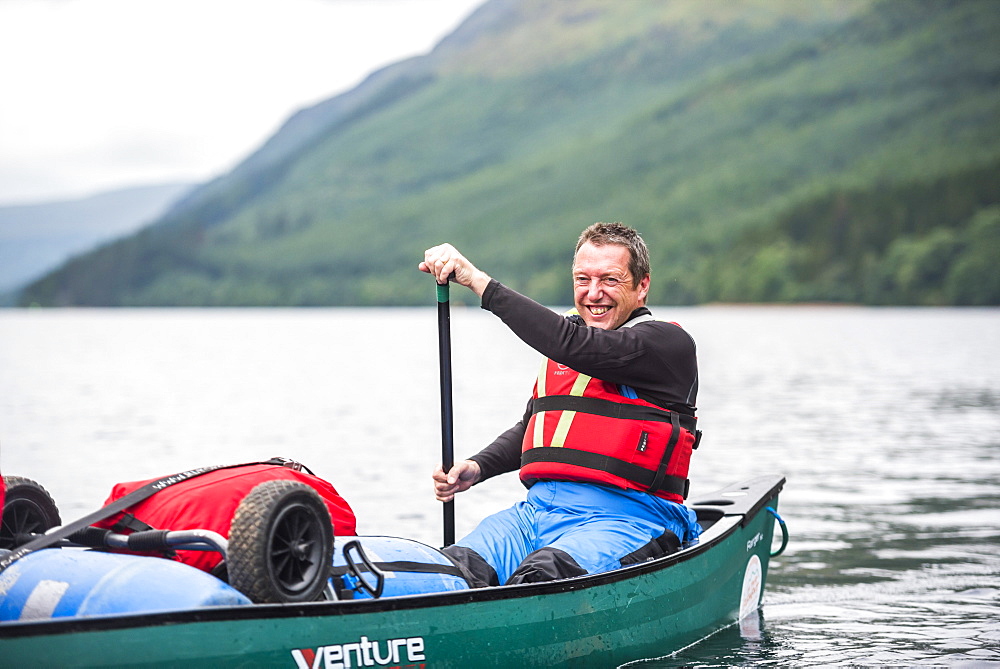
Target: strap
[
  {"x": 407, "y": 566},
  {"x": 611, "y": 409},
  {"x": 641, "y": 318},
  {"x": 130, "y": 522},
  {"x": 58, "y": 534},
  {"x": 668, "y": 452},
  {"x": 136, "y": 527},
  {"x": 605, "y": 463}
]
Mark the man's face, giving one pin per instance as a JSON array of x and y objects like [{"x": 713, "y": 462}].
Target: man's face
[{"x": 602, "y": 286}]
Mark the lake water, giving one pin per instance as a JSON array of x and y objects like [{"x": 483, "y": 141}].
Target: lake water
[{"x": 886, "y": 423}]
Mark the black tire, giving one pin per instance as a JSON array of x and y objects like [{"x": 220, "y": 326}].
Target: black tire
[
  {"x": 281, "y": 544},
  {"x": 28, "y": 509}
]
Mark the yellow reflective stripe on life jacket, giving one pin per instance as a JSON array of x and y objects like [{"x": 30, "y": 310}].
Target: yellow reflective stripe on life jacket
[
  {"x": 538, "y": 437},
  {"x": 566, "y": 418}
]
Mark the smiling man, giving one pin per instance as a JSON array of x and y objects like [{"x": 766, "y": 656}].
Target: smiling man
[{"x": 606, "y": 439}]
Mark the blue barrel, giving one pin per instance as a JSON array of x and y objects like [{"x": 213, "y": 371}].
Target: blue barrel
[
  {"x": 410, "y": 568},
  {"x": 70, "y": 582}
]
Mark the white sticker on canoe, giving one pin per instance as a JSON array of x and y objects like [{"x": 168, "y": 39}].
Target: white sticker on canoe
[
  {"x": 752, "y": 578},
  {"x": 43, "y": 600}
]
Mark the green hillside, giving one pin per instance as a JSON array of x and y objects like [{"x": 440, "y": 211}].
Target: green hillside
[{"x": 768, "y": 151}]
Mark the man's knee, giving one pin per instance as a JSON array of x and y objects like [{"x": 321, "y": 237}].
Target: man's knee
[
  {"x": 477, "y": 571},
  {"x": 665, "y": 544},
  {"x": 546, "y": 564}
]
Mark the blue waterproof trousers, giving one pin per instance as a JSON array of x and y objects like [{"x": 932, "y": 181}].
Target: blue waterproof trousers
[{"x": 582, "y": 527}]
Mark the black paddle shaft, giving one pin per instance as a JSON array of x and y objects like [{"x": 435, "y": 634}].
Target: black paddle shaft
[{"x": 447, "y": 417}]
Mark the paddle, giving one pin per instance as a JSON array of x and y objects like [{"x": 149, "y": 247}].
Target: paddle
[{"x": 447, "y": 436}]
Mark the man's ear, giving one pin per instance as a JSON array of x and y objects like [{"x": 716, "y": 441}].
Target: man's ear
[{"x": 643, "y": 289}]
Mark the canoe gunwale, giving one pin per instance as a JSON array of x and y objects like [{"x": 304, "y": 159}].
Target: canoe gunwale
[{"x": 733, "y": 515}]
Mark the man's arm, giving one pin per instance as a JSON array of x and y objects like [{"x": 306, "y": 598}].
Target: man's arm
[
  {"x": 657, "y": 359},
  {"x": 500, "y": 457},
  {"x": 588, "y": 350},
  {"x": 504, "y": 454},
  {"x": 641, "y": 357}
]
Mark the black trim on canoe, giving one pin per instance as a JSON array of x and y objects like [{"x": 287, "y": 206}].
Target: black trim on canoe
[{"x": 744, "y": 499}]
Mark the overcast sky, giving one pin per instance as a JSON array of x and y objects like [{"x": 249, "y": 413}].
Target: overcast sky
[{"x": 102, "y": 94}]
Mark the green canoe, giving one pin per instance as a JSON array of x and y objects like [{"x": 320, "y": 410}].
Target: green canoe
[{"x": 642, "y": 611}]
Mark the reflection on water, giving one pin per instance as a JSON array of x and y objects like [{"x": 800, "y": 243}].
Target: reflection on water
[
  {"x": 886, "y": 423},
  {"x": 859, "y": 625}
]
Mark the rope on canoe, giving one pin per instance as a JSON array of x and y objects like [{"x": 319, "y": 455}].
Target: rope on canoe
[{"x": 784, "y": 531}]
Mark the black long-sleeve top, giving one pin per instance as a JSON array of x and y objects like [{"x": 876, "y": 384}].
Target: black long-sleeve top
[{"x": 654, "y": 358}]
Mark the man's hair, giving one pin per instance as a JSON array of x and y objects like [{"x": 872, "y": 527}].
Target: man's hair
[{"x": 620, "y": 234}]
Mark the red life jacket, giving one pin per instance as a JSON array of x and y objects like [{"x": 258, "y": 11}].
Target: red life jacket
[
  {"x": 209, "y": 501},
  {"x": 584, "y": 429}
]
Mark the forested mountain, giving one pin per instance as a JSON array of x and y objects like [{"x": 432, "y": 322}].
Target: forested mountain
[
  {"x": 831, "y": 150},
  {"x": 37, "y": 238}
]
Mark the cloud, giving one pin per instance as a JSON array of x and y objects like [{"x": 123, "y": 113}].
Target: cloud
[{"x": 103, "y": 93}]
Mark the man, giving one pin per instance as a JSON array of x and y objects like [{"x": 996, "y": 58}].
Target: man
[{"x": 606, "y": 439}]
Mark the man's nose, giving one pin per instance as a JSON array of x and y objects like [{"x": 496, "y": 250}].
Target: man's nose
[{"x": 594, "y": 290}]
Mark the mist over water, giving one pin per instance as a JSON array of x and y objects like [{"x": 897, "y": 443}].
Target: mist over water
[{"x": 886, "y": 423}]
